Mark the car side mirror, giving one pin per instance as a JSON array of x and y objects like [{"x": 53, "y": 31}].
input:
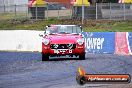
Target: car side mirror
[{"x": 40, "y": 35}]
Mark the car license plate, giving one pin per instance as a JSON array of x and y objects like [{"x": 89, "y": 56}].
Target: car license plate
[
  {"x": 62, "y": 51},
  {"x": 56, "y": 51}
]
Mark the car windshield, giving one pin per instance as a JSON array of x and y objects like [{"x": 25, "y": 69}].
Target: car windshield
[{"x": 63, "y": 29}]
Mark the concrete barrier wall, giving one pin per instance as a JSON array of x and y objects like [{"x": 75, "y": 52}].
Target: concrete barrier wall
[
  {"x": 99, "y": 42},
  {"x": 108, "y": 42},
  {"x": 95, "y": 42},
  {"x": 123, "y": 43},
  {"x": 20, "y": 40}
]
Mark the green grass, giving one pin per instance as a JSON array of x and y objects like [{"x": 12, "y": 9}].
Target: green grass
[
  {"x": 25, "y": 24},
  {"x": 88, "y": 26},
  {"x": 12, "y": 15},
  {"x": 110, "y": 26}
]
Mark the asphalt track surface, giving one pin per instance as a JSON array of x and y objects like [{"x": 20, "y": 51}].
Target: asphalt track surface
[{"x": 26, "y": 70}]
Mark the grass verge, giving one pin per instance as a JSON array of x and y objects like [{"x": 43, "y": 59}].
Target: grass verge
[{"x": 88, "y": 26}]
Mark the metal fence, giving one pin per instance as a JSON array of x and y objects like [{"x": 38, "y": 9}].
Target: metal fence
[{"x": 109, "y": 11}]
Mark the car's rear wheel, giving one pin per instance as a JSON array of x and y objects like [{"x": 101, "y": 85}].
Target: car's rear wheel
[
  {"x": 45, "y": 57},
  {"x": 82, "y": 57}
]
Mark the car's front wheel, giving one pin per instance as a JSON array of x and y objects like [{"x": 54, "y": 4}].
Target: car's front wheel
[
  {"x": 82, "y": 57},
  {"x": 45, "y": 57}
]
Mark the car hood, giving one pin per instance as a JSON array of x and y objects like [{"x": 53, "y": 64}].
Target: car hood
[{"x": 63, "y": 38}]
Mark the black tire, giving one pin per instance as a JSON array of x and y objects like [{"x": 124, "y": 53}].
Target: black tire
[
  {"x": 82, "y": 57},
  {"x": 45, "y": 57}
]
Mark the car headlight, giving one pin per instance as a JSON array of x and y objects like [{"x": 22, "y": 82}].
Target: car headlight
[
  {"x": 80, "y": 41},
  {"x": 46, "y": 41}
]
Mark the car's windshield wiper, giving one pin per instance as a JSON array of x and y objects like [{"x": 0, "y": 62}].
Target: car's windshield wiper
[
  {"x": 63, "y": 33},
  {"x": 75, "y": 33},
  {"x": 53, "y": 33}
]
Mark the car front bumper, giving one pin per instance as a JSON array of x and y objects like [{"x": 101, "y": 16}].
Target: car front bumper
[{"x": 77, "y": 51}]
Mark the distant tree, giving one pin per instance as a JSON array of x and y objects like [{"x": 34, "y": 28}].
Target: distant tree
[
  {"x": 92, "y": 1},
  {"x": 102, "y": 1},
  {"x": 112, "y": 1}
]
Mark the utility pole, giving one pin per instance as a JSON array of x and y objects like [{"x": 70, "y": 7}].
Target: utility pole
[
  {"x": 3, "y": 2},
  {"x": 82, "y": 12}
]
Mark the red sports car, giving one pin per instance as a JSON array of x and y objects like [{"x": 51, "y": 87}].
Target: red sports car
[{"x": 63, "y": 40}]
